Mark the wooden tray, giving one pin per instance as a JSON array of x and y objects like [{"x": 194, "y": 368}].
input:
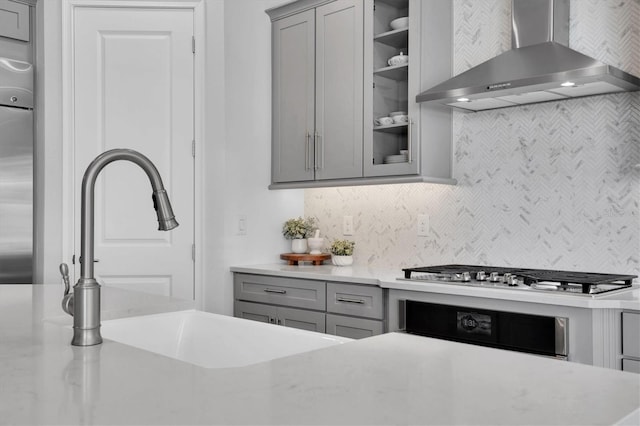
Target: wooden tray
[{"x": 294, "y": 258}]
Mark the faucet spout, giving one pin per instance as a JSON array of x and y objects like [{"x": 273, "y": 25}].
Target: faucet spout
[{"x": 86, "y": 292}]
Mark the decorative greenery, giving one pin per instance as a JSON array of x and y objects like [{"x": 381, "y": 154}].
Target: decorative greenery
[
  {"x": 342, "y": 247},
  {"x": 296, "y": 229}
]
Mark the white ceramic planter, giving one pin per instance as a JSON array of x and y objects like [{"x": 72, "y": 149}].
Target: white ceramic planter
[
  {"x": 299, "y": 245},
  {"x": 341, "y": 260}
]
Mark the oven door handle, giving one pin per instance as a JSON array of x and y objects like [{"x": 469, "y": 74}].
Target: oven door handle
[{"x": 562, "y": 340}]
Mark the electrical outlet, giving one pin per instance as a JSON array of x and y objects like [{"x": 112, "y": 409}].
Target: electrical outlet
[
  {"x": 423, "y": 225},
  {"x": 242, "y": 225},
  {"x": 347, "y": 225}
]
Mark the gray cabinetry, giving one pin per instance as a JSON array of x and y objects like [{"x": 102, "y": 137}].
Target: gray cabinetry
[
  {"x": 317, "y": 91},
  {"x": 354, "y": 328},
  {"x": 293, "y": 121},
  {"x": 14, "y": 20},
  {"x": 332, "y": 80},
  {"x": 426, "y": 136},
  {"x": 289, "y": 317},
  {"x": 342, "y": 309},
  {"x": 631, "y": 341}
]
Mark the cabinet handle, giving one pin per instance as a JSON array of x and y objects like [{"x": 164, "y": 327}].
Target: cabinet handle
[
  {"x": 410, "y": 141},
  {"x": 346, "y": 300},
  {"x": 307, "y": 150},
  {"x": 269, "y": 290},
  {"x": 319, "y": 150}
]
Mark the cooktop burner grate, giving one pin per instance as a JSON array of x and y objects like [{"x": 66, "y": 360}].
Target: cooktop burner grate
[{"x": 577, "y": 282}]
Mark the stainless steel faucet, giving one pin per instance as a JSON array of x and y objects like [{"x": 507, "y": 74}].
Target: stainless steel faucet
[{"x": 84, "y": 303}]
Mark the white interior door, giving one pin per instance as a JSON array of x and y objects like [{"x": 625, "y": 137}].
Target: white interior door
[{"x": 133, "y": 87}]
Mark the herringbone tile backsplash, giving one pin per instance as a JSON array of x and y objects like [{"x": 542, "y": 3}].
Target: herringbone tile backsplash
[{"x": 553, "y": 185}]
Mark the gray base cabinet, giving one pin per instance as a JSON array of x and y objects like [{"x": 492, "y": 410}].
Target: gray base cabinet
[
  {"x": 342, "y": 309},
  {"x": 354, "y": 328},
  {"x": 289, "y": 317}
]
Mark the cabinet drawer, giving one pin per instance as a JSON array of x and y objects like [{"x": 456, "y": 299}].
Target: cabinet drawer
[
  {"x": 280, "y": 291},
  {"x": 356, "y": 300},
  {"x": 354, "y": 328},
  {"x": 631, "y": 334},
  {"x": 631, "y": 365}
]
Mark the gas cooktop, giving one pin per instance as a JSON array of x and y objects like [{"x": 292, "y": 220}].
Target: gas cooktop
[{"x": 569, "y": 282}]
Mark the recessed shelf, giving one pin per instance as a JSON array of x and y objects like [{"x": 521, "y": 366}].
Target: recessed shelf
[
  {"x": 399, "y": 4},
  {"x": 396, "y": 72},
  {"x": 396, "y": 38},
  {"x": 397, "y": 129}
]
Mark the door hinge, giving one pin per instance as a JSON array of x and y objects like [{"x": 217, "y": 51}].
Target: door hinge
[
  {"x": 193, "y": 148},
  {"x": 193, "y": 44},
  {"x": 193, "y": 252}
]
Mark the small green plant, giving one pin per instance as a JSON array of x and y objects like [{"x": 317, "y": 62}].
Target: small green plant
[
  {"x": 296, "y": 229},
  {"x": 342, "y": 247}
]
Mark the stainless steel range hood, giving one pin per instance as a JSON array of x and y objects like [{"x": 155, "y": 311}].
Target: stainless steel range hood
[{"x": 539, "y": 67}]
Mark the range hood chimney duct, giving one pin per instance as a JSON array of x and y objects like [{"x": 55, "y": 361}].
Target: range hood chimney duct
[{"x": 538, "y": 68}]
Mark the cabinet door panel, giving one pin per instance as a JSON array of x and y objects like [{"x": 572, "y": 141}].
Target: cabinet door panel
[
  {"x": 631, "y": 365},
  {"x": 293, "y": 41},
  {"x": 354, "y": 328},
  {"x": 631, "y": 334},
  {"x": 304, "y": 320},
  {"x": 255, "y": 312},
  {"x": 339, "y": 80}
]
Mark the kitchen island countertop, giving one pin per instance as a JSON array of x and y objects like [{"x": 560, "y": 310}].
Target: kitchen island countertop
[
  {"x": 389, "y": 379},
  {"x": 385, "y": 278}
]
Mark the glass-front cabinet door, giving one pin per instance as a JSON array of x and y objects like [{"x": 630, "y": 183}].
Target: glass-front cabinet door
[{"x": 392, "y": 74}]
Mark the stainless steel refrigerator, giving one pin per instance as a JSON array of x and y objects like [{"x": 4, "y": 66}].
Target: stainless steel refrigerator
[{"x": 16, "y": 171}]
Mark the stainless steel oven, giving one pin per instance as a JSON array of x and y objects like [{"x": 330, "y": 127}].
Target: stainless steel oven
[{"x": 535, "y": 334}]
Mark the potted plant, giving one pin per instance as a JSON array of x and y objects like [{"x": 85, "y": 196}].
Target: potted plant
[
  {"x": 297, "y": 230},
  {"x": 342, "y": 252}
]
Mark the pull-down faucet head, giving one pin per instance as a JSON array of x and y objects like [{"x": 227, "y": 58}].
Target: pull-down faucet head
[{"x": 166, "y": 219}]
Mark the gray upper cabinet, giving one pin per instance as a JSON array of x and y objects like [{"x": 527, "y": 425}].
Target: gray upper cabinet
[
  {"x": 332, "y": 80},
  {"x": 293, "y": 120},
  {"x": 426, "y": 136},
  {"x": 317, "y": 91}
]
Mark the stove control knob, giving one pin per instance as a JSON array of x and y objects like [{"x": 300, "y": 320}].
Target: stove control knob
[
  {"x": 512, "y": 281},
  {"x": 481, "y": 276},
  {"x": 466, "y": 277},
  {"x": 506, "y": 277},
  {"x": 494, "y": 277}
]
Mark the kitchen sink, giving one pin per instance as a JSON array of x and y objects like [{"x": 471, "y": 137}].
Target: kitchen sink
[{"x": 214, "y": 341}]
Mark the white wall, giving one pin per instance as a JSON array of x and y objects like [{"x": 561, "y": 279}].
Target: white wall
[{"x": 236, "y": 147}]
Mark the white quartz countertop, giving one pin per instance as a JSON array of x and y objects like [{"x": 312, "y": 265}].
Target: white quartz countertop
[
  {"x": 629, "y": 300},
  {"x": 389, "y": 379}
]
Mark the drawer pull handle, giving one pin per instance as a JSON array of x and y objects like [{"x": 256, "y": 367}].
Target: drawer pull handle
[
  {"x": 344, "y": 299},
  {"x": 269, "y": 290}
]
